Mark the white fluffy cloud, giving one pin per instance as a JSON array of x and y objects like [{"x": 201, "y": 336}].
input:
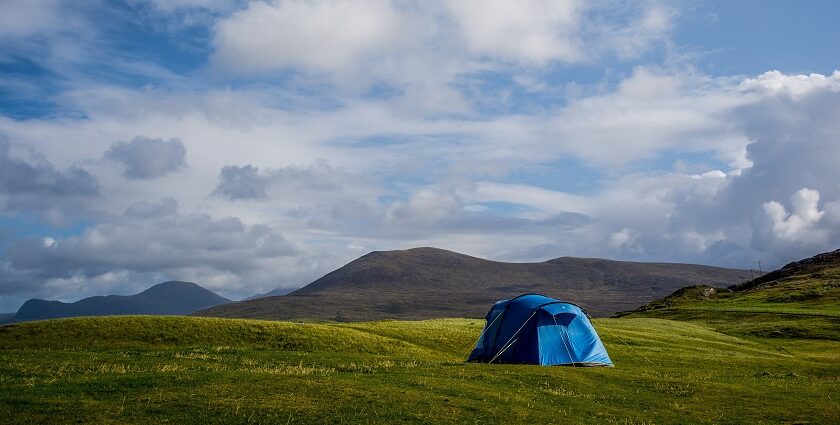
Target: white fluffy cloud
[
  {"x": 530, "y": 30},
  {"x": 796, "y": 225},
  {"x": 395, "y": 38},
  {"x": 806, "y": 227},
  {"x": 624, "y": 240},
  {"x": 571, "y": 31}
]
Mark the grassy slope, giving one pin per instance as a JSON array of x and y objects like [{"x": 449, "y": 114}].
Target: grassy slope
[
  {"x": 196, "y": 370},
  {"x": 774, "y": 305},
  {"x": 815, "y": 294},
  {"x": 810, "y": 286}
]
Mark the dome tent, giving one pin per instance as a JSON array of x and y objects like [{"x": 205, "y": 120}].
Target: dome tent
[{"x": 536, "y": 329}]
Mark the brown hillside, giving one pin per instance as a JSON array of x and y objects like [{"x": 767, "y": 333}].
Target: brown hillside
[{"x": 428, "y": 282}]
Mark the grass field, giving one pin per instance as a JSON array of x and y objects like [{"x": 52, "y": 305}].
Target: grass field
[{"x": 197, "y": 370}]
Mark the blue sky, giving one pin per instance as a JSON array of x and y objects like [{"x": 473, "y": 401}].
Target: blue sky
[{"x": 254, "y": 145}]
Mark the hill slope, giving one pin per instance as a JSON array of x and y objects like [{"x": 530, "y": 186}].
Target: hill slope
[
  {"x": 810, "y": 286},
  {"x": 770, "y": 306},
  {"x": 425, "y": 283},
  {"x": 172, "y": 298}
]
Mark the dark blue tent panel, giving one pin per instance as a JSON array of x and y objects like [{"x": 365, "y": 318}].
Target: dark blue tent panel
[{"x": 535, "y": 329}]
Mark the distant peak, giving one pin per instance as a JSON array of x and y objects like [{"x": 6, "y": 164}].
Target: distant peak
[
  {"x": 176, "y": 283},
  {"x": 416, "y": 250},
  {"x": 172, "y": 285},
  {"x": 567, "y": 258}
]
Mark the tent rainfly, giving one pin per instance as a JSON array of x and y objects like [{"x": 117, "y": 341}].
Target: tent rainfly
[{"x": 536, "y": 329}]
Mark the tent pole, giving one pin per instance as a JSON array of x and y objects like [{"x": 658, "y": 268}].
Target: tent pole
[
  {"x": 564, "y": 336},
  {"x": 485, "y": 330}
]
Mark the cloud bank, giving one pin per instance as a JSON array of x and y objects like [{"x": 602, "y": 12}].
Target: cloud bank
[{"x": 285, "y": 138}]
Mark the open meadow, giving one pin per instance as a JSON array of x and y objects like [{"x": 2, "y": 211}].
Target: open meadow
[{"x": 143, "y": 369}]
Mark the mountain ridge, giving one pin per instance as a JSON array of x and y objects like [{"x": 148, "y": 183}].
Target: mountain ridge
[
  {"x": 171, "y": 297},
  {"x": 425, "y": 282}
]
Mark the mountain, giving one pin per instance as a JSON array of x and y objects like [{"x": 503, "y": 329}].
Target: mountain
[
  {"x": 273, "y": 293},
  {"x": 808, "y": 287},
  {"x": 424, "y": 283},
  {"x": 170, "y": 298}
]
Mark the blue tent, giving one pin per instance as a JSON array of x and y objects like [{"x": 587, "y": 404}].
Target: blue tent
[{"x": 535, "y": 329}]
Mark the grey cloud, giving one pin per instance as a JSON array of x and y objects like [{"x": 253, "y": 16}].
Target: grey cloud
[
  {"x": 250, "y": 183},
  {"x": 145, "y": 209},
  {"x": 147, "y": 244},
  {"x": 19, "y": 177},
  {"x": 241, "y": 183},
  {"x": 151, "y": 244},
  {"x": 34, "y": 184},
  {"x": 145, "y": 158}
]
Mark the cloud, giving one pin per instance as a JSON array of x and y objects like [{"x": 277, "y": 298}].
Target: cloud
[
  {"x": 762, "y": 138},
  {"x": 534, "y": 31},
  {"x": 150, "y": 241},
  {"x": 169, "y": 6},
  {"x": 801, "y": 226},
  {"x": 754, "y": 144},
  {"x": 624, "y": 240},
  {"x": 24, "y": 18},
  {"x": 650, "y": 111},
  {"x": 33, "y": 184},
  {"x": 145, "y": 210},
  {"x": 452, "y": 124},
  {"x": 144, "y": 158},
  {"x": 427, "y": 205},
  {"x": 394, "y": 39},
  {"x": 318, "y": 35},
  {"x": 299, "y": 182},
  {"x": 793, "y": 85},
  {"x": 241, "y": 183},
  {"x": 40, "y": 178}
]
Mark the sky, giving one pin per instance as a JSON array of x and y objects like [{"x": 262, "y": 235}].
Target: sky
[{"x": 254, "y": 145}]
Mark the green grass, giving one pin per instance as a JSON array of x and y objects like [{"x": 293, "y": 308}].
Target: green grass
[
  {"x": 196, "y": 370},
  {"x": 802, "y": 294}
]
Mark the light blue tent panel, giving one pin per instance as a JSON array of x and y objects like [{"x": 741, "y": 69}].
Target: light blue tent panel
[{"x": 536, "y": 329}]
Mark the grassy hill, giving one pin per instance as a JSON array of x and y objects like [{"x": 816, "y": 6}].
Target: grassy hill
[
  {"x": 167, "y": 298},
  {"x": 144, "y": 369},
  {"x": 425, "y": 283},
  {"x": 772, "y": 305},
  {"x": 810, "y": 286}
]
